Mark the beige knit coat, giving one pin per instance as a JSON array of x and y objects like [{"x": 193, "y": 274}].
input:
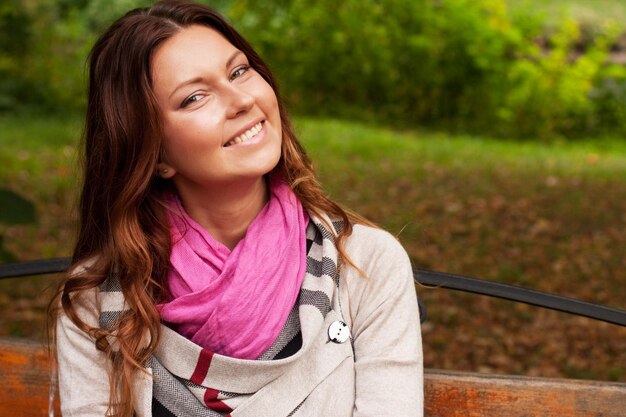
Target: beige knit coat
[{"x": 382, "y": 376}]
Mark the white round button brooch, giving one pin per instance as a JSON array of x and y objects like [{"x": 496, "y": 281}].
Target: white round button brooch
[{"x": 338, "y": 332}]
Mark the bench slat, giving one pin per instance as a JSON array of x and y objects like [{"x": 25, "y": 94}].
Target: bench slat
[
  {"x": 25, "y": 376},
  {"x": 25, "y": 379},
  {"x": 455, "y": 394}
]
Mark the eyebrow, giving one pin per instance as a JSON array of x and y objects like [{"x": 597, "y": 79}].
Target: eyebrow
[
  {"x": 200, "y": 79},
  {"x": 232, "y": 57}
]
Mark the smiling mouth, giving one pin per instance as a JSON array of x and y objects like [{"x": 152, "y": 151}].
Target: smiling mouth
[{"x": 246, "y": 136}]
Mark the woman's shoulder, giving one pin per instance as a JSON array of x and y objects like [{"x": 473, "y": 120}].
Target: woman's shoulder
[
  {"x": 367, "y": 245},
  {"x": 86, "y": 305},
  {"x": 85, "y": 302},
  {"x": 384, "y": 267},
  {"x": 384, "y": 278}
]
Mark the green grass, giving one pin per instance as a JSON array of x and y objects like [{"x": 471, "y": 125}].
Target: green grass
[
  {"x": 544, "y": 215},
  {"x": 27, "y": 134},
  {"x": 38, "y": 155},
  {"x": 37, "y": 161},
  {"x": 597, "y": 158}
]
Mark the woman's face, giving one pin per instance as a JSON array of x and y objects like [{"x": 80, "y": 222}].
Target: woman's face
[{"x": 220, "y": 117}]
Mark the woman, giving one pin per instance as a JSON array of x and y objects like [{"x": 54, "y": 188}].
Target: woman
[{"x": 212, "y": 276}]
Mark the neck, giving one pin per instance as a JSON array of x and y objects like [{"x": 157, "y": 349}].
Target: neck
[{"x": 226, "y": 211}]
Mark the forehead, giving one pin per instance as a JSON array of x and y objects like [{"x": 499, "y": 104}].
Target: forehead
[{"x": 192, "y": 50}]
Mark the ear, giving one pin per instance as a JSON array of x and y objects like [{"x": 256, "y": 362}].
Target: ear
[{"x": 165, "y": 171}]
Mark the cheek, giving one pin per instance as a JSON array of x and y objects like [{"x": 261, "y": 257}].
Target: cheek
[
  {"x": 273, "y": 102},
  {"x": 178, "y": 149},
  {"x": 173, "y": 147},
  {"x": 189, "y": 136},
  {"x": 266, "y": 97}
]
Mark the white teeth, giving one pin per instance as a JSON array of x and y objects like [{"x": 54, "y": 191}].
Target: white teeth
[{"x": 248, "y": 134}]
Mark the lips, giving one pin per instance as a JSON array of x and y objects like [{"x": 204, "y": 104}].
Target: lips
[{"x": 247, "y": 135}]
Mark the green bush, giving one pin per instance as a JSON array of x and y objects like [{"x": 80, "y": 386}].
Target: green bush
[
  {"x": 554, "y": 90},
  {"x": 469, "y": 65},
  {"x": 49, "y": 57},
  {"x": 609, "y": 99},
  {"x": 15, "y": 38},
  {"x": 461, "y": 64}
]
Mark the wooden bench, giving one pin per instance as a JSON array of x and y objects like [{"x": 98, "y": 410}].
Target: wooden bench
[{"x": 25, "y": 376}]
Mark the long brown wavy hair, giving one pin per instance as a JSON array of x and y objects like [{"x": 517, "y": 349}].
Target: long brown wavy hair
[{"x": 123, "y": 226}]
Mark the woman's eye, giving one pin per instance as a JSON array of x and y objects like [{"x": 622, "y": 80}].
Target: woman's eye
[
  {"x": 239, "y": 72},
  {"x": 190, "y": 100}
]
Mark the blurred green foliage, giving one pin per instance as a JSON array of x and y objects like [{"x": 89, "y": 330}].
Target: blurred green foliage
[
  {"x": 464, "y": 65},
  {"x": 43, "y": 50},
  {"x": 14, "y": 40},
  {"x": 470, "y": 65},
  {"x": 15, "y": 210}
]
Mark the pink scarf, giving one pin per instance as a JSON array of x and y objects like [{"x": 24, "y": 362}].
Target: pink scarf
[{"x": 235, "y": 303}]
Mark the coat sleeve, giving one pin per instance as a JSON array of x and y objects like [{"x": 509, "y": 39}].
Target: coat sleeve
[
  {"x": 83, "y": 376},
  {"x": 385, "y": 330}
]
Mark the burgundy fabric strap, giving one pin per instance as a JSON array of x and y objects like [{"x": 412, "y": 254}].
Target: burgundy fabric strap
[{"x": 202, "y": 367}]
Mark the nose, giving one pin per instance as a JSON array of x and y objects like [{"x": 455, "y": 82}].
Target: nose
[{"x": 240, "y": 101}]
